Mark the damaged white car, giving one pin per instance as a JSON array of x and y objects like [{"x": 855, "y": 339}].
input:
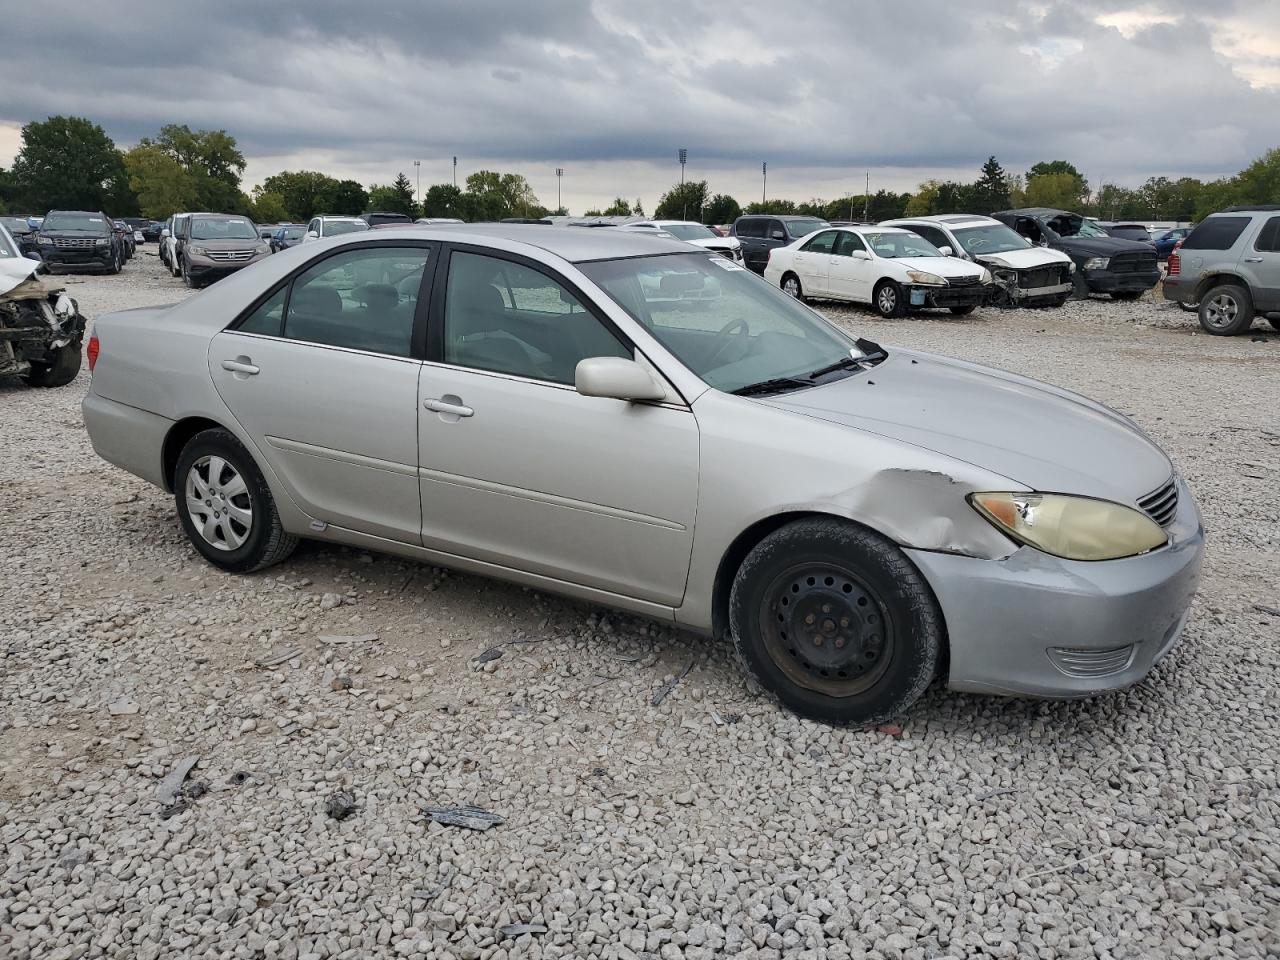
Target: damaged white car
[{"x": 41, "y": 328}]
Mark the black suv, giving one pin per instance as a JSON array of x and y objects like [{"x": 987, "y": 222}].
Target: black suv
[
  {"x": 1126, "y": 269},
  {"x": 760, "y": 233},
  {"x": 80, "y": 238}
]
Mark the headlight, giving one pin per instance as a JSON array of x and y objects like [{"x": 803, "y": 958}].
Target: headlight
[
  {"x": 928, "y": 279},
  {"x": 102, "y": 242},
  {"x": 996, "y": 261},
  {"x": 1075, "y": 528},
  {"x": 986, "y": 275},
  {"x": 1097, "y": 263},
  {"x": 196, "y": 249},
  {"x": 263, "y": 248}
]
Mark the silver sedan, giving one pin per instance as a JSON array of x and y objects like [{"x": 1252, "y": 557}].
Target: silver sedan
[{"x": 619, "y": 418}]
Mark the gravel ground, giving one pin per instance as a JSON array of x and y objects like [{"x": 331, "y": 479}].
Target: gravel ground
[{"x": 1138, "y": 824}]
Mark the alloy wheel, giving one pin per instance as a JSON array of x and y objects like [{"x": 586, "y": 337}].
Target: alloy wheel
[
  {"x": 219, "y": 503},
  {"x": 1220, "y": 312},
  {"x": 826, "y": 629}
]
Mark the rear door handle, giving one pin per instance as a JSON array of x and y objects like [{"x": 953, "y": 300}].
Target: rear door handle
[
  {"x": 1252, "y": 259},
  {"x": 240, "y": 366},
  {"x": 444, "y": 406}
]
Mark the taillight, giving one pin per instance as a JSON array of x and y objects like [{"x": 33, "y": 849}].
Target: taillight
[
  {"x": 1175, "y": 264},
  {"x": 92, "y": 352}
]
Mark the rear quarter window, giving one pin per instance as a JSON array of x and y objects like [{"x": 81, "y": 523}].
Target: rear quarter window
[
  {"x": 1269, "y": 237},
  {"x": 750, "y": 228},
  {"x": 1216, "y": 233}
]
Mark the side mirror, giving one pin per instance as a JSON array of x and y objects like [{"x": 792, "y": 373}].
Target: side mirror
[
  {"x": 860, "y": 255},
  {"x": 617, "y": 378},
  {"x": 165, "y": 233},
  {"x": 312, "y": 235},
  {"x": 777, "y": 235},
  {"x": 946, "y": 251}
]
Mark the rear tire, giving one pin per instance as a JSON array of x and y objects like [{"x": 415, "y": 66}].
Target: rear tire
[
  {"x": 1275, "y": 322},
  {"x": 225, "y": 506},
  {"x": 836, "y": 622},
  {"x": 963, "y": 311},
  {"x": 1226, "y": 310},
  {"x": 888, "y": 299},
  {"x": 791, "y": 286},
  {"x": 64, "y": 368}
]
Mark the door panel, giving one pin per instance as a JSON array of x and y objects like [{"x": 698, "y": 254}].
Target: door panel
[
  {"x": 339, "y": 427},
  {"x": 848, "y": 277},
  {"x": 595, "y": 491}
]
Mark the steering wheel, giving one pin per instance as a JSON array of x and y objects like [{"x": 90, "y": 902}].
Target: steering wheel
[{"x": 722, "y": 339}]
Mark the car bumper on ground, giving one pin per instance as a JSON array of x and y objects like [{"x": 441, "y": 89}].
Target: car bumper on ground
[
  {"x": 969, "y": 296},
  {"x": 1105, "y": 281},
  {"x": 1036, "y": 625}
]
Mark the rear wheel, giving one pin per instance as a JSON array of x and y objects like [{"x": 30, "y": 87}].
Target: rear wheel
[
  {"x": 836, "y": 622},
  {"x": 58, "y": 370},
  {"x": 963, "y": 311},
  {"x": 226, "y": 507},
  {"x": 791, "y": 286},
  {"x": 888, "y": 299},
  {"x": 1126, "y": 296},
  {"x": 1275, "y": 322},
  {"x": 1226, "y": 310}
]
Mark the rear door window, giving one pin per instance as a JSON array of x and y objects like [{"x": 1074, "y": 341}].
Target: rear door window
[
  {"x": 932, "y": 234},
  {"x": 1269, "y": 237},
  {"x": 750, "y": 228},
  {"x": 1216, "y": 233},
  {"x": 822, "y": 243}
]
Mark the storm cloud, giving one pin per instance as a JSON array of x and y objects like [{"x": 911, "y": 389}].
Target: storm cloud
[{"x": 610, "y": 90}]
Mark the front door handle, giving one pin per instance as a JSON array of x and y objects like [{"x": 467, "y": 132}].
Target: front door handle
[
  {"x": 455, "y": 408},
  {"x": 240, "y": 365},
  {"x": 1252, "y": 259}
]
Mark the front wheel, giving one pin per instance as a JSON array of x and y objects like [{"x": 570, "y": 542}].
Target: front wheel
[
  {"x": 187, "y": 278},
  {"x": 836, "y": 622},
  {"x": 963, "y": 311},
  {"x": 226, "y": 507},
  {"x": 116, "y": 264},
  {"x": 1275, "y": 322},
  {"x": 889, "y": 300},
  {"x": 1226, "y": 310},
  {"x": 1126, "y": 296},
  {"x": 58, "y": 371}
]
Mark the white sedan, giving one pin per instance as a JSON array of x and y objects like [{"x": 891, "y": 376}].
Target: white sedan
[{"x": 894, "y": 270}]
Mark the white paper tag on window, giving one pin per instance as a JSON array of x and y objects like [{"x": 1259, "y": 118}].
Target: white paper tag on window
[{"x": 725, "y": 264}]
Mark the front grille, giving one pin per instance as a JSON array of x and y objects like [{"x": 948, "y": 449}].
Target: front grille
[
  {"x": 1089, "y": 663},
  {"x": 1134, "y": 262},
  {"x": 231, "y": 256},
  {"x": 74, "y": 243},
  {"x": 1161, "y": 505},
  {"x": 1043, "y": 277},
  {"x": 963, "y": 281}
]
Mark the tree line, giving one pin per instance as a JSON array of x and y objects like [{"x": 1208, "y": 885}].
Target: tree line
[{"x": 71, "y": 162}]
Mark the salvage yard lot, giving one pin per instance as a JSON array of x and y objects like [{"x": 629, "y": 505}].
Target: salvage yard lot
[{"x": 714, "y": 823}]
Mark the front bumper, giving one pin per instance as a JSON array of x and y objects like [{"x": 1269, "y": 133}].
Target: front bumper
[
  {"x": 98, "y": 258},
  {"x": 1035, "y": 625},
  {"x": 207, "y": 268},
  {"x": 1106, "y": 281},
  {"x": 972, "y": 296}
]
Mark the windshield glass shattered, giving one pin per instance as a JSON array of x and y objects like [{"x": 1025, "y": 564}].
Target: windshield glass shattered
[
  {"x": 991, "y": 238},
  {"x": 1074, "y": 225}
]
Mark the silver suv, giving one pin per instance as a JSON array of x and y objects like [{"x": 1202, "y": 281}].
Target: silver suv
[{"x": 1230, "y": 266}]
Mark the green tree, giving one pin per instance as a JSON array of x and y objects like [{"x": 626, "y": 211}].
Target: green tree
[
  {"x": 780, "y": 207},
  {"x": 267, "y": 207},
  {"x": 212, "y": 157},
  {"x": 619, "y": 208},
  {"x": 443, "y": 200},
  {"x": 1063, "y": 191},
  {"x": 396, "y": 197},
  {"x": 924, "y": 200},
  {"x": 162, "y": 185},
  {"x": 492, "y": 196},
  {"x": 69, "y": 163},
  {"x": 346, "y": 197},
  {"x": 1048, "y": 167},
  {"x": 305, "y": 193},
  {"x": 991, "y": 192},
  {"x": 684, "y": 201},
  {"x": 721, "y": 208},
  {"x": 1260, "y": 181}
]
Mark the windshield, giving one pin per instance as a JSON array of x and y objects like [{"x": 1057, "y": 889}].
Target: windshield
[
  {"x": 720, "y": 320},
  {"x": 220, "y": 228},
  {"x": 893, "y": 246},
  {"x": 991, "y": 238},
  {"x": 89, "y": 222},
  {"x": 1074, "y": 225},
  {"x": 292, "y": 233},
  {"x": 334, "y": 227},
  {"x": 7, "y": 248},
  {"x": 15, "y": 224},
  {"x": 687, "y": 231},
  {"x": 802, "y": 228}
]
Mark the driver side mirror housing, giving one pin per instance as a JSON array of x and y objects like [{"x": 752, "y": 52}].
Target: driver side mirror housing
[
  {"x": 616, "y": 378},
  {"x": 777, "y": 235},
  {"x": 946, "y": 251},
  {"x": 313, "y": 235},
  {"x": 165, "y": 233},
  {"x": 860, "y": 255}
]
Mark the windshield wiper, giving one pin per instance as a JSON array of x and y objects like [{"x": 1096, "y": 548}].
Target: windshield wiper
[
  {"x": 774, "y": 385},
  {"x": 872, "y": 353}
]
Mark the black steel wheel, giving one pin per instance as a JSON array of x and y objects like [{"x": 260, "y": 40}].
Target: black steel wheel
[{"x": 835, "y": 621}]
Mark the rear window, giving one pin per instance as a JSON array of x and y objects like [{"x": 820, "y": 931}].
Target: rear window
[
  {"x": 1216, "y": 233},
  {"x": 750, "y": 228}
]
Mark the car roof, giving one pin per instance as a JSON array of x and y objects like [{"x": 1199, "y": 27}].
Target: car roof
[
  {"x": 782, "y": 216},
  {"x": 1252, "y": 208},
  {"x": 575, "y": 244},
  {"x": 953, "y": 219},
  {"x": 336, "y": 216},
  {"x": 1035, "y": 212}
]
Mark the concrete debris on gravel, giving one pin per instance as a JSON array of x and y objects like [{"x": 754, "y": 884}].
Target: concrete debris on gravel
[{"x": 1142, "y": 824}]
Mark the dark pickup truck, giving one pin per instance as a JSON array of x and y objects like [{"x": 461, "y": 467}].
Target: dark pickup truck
[{"x": 1126, "y": 269}]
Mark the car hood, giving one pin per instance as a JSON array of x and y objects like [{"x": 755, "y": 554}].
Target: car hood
[
  {"x": 1037, "y": 435},
  {"x": 1100, "y": 246},
  {"x": 717, "y": 243},
  {"x": 1026, "y": 259},
  {"x": 226, "y": 244},
  {"x": 942, "y": 266}
]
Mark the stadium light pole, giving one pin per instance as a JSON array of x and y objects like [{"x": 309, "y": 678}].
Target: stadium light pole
[
  {"x": 559, "y": 177},
  {"x": 417, "y": 173},
  {"x": 684, "y": 204},
  {"x": 764, "y": 186},
  {"x": 455, "y": 171}
]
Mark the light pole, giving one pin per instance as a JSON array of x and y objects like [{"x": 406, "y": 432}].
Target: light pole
[
  {"x": 764, "y": 187},
  {"x": 559, "y": 177},
  {"x": 684, "y": 203},
  {"x": 866, "y": 200},
  {"x": 417, "y": 173},
  {"x": 455, "y": 171}
]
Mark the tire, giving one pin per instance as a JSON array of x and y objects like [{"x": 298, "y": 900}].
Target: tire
[
  {"x": 1127, "y": 296},
  {"x": 242, "y": 540},
  {"x": 888, "y": 299},
  {"x": 62, "y": 370},
  {"x": 175, "y": 266},
  {"x": 877, "y": 637},
  {"x": 963, "y": 311},
  {"x": 187, "y": 278},
  {"x": 1058, "y": 301},
  {"x": 1189, "y": 307},
  {"x": 791, "y": 286},
  {"x": 1275, "y": 322},
  {"x": 1080, "y": 285},
  {"x": 1226, "y": 310},
  {"x": 116, "y": 265}
]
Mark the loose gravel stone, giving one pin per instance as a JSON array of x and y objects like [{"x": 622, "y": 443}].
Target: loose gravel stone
[{"x": 1138, "y": 824}]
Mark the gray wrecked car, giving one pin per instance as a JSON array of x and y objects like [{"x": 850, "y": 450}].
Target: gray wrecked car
[{"x": 41, "y": 328}]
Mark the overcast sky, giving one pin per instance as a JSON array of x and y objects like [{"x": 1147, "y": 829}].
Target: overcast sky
[{"x": 610, "y": 90}]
